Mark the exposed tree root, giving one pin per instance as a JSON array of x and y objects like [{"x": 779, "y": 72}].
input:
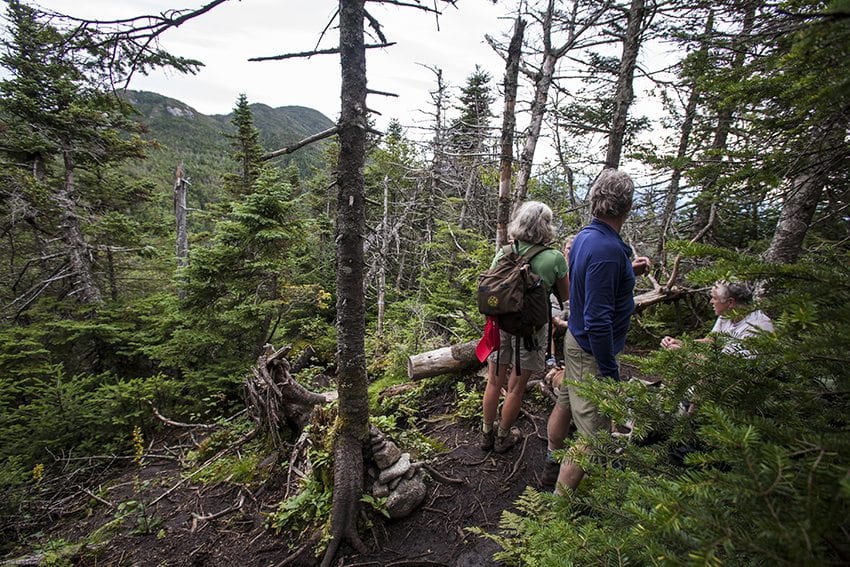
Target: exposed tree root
[{"x": 348, "y": 486}]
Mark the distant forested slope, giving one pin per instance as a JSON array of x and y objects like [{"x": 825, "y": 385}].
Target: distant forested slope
[{"x": 185, "y": 135}]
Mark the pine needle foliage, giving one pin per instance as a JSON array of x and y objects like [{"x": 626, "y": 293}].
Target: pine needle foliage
[{"x": 757, "y": 475}]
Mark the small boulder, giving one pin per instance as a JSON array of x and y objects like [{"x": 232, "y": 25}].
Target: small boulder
[
  {"x": 408, "y": 496},
  {"x": 401, "y": 466},
  {"x": 387, "y": 456}
]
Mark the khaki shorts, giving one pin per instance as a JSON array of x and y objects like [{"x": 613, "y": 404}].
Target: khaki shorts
[
  {"x": 580, "y": 366},
  {"x": 533, "y": 360}
]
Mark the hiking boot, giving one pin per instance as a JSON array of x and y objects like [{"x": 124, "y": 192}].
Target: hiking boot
[
  {"x": 504, "y": 443},
  {"x": 550, "y": 473},
  {"x": 487, "y": 439}
]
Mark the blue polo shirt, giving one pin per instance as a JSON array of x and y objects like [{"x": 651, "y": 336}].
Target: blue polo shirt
[{"x": 602, "y": 284}]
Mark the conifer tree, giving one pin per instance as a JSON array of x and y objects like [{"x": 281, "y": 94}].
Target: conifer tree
[
  {"x": 247, "y": 149},
  {"x": 63, "y": 132}
]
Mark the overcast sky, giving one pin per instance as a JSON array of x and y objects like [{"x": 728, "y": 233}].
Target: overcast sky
[{"x": 226, "y": 37}]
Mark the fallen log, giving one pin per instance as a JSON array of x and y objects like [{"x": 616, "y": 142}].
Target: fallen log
[{"x": 445, "y": 360}]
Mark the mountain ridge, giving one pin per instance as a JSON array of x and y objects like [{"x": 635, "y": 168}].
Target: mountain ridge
[{"x": 185, "y": 135}]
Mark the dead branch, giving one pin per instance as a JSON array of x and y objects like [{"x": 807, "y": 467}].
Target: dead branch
[
  {"x": 519, "y": 459},
  {"x": 298, "y": 145},
  {"x": 107, "y": 503},
  {"x": 173, "y": 423},
  {"x": 441, "y": 477},
  {"x": 381, "y": 93},
  {"x": 199, "y": 518},
  {"x": 308, "y": 54},
  {"x": 244, "y": 439}
]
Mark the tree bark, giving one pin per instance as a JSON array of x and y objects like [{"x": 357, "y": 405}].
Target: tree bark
[
  {"x": 804, "y": 191},
  {"x": 508, "y": 126},
  {"x": 181, "y": 216},
  {"x": 382, "y": 259},
  {"x": 625, "y": 90},
  {"x": 78, "y": 254},
  {"x": 351, "y": 323},
  {"x": 672, "y": 195}
]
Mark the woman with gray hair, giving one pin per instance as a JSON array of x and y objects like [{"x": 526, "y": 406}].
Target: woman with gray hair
[{"x": 530, "y": 227}]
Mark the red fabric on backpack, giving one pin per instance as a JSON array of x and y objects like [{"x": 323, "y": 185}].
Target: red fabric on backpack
[{"x": 489, "y": 340}]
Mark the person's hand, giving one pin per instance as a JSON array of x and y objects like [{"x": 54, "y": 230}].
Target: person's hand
[
  {"x": 641, "y": 265},
  {"x": 671, "y": 343}
]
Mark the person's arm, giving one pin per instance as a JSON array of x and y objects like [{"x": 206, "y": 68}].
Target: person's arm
[
  {"x": 640, "y": 265},
  {"x": 562, "y": 288},
  {"x": 669, "y": 342},
  {"x": 599, "y": 288}
]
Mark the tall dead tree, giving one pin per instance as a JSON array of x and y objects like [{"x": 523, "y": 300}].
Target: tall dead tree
[
  {"x": 575, "y": 25},
  {"x": 624, "y": 94},
  {"x": 353, "y": 429},
  {"x": 508, "y": 126},
  {"x": 181, "y": 216}
]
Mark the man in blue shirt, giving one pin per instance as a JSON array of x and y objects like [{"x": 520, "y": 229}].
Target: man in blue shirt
[{"x": 602, "y": 281}]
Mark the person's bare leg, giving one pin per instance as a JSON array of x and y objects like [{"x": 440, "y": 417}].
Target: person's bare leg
[
  {"x": 513, "y": 399},
  {"x": 557, "y": 427},
  {"x": 569, "y": 477},
  {"x": 570, "y": 474},
  {"x": 493, "y": 391}
]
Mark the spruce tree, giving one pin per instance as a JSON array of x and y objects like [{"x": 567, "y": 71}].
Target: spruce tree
[{"x": 247, "y": 149}]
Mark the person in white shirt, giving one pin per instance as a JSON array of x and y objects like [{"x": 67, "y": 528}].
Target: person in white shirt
[{"x": 730, "y": 301}]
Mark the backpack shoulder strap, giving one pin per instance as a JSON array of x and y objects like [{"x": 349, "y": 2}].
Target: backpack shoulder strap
[{"x": 534, "y": 251}]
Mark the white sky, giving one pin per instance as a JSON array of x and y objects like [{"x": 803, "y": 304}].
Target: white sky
[{"x": 227, "y": 36}]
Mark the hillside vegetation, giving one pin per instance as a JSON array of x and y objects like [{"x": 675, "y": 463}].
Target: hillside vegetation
[{"x": 133, "y": 344}]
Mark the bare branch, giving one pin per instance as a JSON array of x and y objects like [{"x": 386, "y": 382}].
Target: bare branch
[
  {"x": 289, "y": 149},
  {"x": 308, "y": 54}
]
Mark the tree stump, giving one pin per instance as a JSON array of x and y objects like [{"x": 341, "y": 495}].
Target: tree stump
[{"x": 275, "y": 400}]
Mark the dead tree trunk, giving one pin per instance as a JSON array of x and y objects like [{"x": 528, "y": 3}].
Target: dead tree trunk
[
  {"x": 445, "y": 360},
  {"x": 78, "y": 252},
  {"x": 543, "y": 81},
  {"x": 625, "y": 89},
  {"x": 508, "y": 126},
  {"x": 353, "y": 429},
  {"x": 181, "y": 216}
]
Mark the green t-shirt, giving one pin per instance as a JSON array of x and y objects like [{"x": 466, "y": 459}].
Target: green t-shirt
[{"x": 549, "y": 264}]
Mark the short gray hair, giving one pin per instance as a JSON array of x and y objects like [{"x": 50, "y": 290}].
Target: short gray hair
[
  {"x": 532, "y": 222},
  {"x": 611, "y": 194},
  {"x": 739, "y": 291}
]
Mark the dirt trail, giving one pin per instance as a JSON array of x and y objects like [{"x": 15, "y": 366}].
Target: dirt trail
[{"x": 188, "y": 532}]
